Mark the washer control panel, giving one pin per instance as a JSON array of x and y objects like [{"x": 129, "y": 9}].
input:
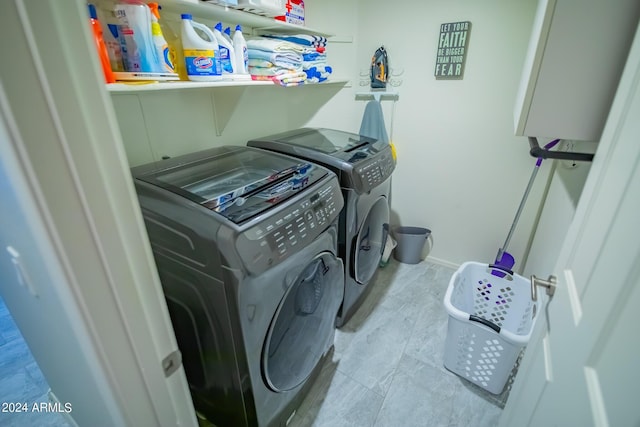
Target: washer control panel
[
  {"x": 374, "y": 172},
  {"x": 289, "y": 230}
]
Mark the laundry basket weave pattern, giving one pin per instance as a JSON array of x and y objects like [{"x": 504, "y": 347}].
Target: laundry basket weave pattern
[{"x": 473, "y": 350}]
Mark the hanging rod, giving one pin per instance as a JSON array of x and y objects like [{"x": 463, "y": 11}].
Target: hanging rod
[
  {"x": 539, "y": 152},
  {"x": 378, "y": 95}
]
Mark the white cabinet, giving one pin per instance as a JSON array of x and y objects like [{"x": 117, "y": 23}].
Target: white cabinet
[{"x": 576, "y": 54}]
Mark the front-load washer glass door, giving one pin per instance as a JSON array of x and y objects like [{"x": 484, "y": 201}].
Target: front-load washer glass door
[
  {"x": 370, "y": 241},
  {"x": 303, "y": 323}
]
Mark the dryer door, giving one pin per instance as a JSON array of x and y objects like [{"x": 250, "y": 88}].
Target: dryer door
[
  {"x": 370, "y": 241},
  {"x": 304, "y": 324}
]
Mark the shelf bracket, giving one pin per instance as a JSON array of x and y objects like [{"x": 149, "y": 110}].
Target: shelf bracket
[
  {"x": 225, "y": 100},
  {"x": 539, "y": 152}
]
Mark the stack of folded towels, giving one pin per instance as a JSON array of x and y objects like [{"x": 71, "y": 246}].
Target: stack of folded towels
[{"x": 288, "y": 60}]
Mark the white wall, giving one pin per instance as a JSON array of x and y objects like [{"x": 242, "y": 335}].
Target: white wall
[{"x": 461, "y": 172}]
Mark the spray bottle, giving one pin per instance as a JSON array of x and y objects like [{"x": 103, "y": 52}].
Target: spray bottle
[
  {"x": 201, "y": 55},
  {"x": 241, "y": 53},
  {"x": 159, "y": 41},
  {"x": 102, "y": 48}
]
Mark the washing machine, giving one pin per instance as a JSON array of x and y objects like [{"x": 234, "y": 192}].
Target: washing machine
[
  {"x": 364, "y": 167},
  {"x": 245, "y": 243}
]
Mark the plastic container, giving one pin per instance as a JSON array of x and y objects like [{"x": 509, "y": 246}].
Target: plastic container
[
  {"x": 490, "y": 322},
  {"x": 111, "y": 36},
  {"x": 139, "y": 50},
  {"x": 175, "y": 49},
  {"x": 227, "y": 35},
  {"x": 241, "y": 52},
  {"x": 100, "y": 45},
  {"x": 410, "y": 241},
  {"x": 227, "y": 56},
  {"x": 162, "y": 47},
  {"x": 201, "y": 55}
]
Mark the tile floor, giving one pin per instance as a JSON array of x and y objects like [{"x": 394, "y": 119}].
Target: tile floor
[
  {"x": 387, "y": 365},
  {"x": 21, "y": 379}
]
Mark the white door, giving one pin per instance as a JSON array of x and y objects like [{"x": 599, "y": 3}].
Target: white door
[{"x": 581, "y": 367}]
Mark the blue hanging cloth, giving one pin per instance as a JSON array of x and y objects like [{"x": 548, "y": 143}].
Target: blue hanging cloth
[{"x": 372, "y": 125}]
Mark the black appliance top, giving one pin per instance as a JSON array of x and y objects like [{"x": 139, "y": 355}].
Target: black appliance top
[
  {"x": 236, "y": 182},
  {"x": 360, "y": 162},
  {"x": 346, "y": 146}
]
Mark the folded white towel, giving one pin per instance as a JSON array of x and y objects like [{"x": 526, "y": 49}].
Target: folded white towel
[{"x": 274, "y": 45}]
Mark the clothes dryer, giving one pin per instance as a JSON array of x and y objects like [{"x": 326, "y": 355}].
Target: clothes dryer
[
  {"x": 364, "y": 167},
  {"x": 245, "y": 243}
]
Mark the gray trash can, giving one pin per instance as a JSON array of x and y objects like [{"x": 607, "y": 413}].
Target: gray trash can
[{"x": 410, "y": 243}]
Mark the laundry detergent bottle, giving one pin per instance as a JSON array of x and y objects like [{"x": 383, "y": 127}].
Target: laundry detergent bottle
[{"x": 201, "y": 55}]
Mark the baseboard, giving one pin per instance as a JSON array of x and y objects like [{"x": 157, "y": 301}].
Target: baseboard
[{"x": 443, "y": 262}]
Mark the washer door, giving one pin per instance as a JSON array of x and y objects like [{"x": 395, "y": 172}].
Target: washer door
[
  {"x": 304, "y": 324},
  {"x": 370, "y": 241}
]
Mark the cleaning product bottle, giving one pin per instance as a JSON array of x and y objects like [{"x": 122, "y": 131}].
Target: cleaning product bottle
[
  {"x": 201, "y": 56},
  {"x": 175, "y": 49},
  {"x": 111, "y": 36},
  {"x": 158, "y": 39},
  {"x": 102, "y": 48},
  {"x": 241, "y": 53},
  {"x": 139, "y": 51},
  {"x": 227, "y": 57},
  {"x": 227, "y": 35}
]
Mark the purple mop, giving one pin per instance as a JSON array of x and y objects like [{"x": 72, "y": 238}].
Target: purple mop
[{"x": 504, "y": 260}]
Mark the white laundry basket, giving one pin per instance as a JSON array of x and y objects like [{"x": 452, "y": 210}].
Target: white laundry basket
[{"x": 490, "y": 321}]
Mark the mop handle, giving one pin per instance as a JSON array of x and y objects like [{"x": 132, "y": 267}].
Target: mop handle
[
  {"x": 524, "y": 198},
  {"x": 522, "y": 203}
]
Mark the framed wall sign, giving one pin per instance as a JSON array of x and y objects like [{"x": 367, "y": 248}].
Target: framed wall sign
[{"x": 452, "y": 50}]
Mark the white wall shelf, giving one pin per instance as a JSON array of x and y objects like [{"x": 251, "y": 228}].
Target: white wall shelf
[
  {"x": 115, "y": 88},
  {"x": 378, "y": 95},
  {"x": 259, "y": 24}
]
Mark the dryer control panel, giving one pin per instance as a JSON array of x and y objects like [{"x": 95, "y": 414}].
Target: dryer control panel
[
  {"x": 370, "y": 174},
  {"x": 287, "y": 231}
]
